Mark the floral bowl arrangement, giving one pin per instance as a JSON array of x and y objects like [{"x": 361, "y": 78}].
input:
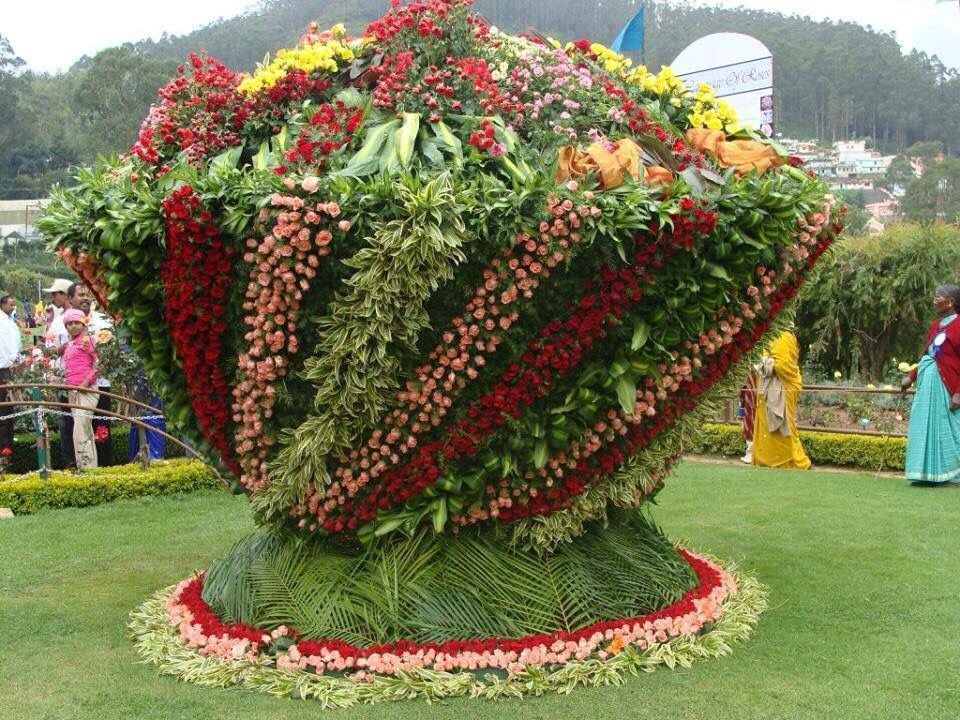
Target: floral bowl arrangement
[{"x": 442, "y": 292}]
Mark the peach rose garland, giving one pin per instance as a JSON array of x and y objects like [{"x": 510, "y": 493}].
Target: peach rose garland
[{"x": 282, "y": 266}]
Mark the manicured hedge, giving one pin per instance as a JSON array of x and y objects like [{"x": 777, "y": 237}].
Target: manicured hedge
[
  {"x": 163, "y": 477},
  {"x": 24, "y": 457},
  {"x": 824, "y": 448}
]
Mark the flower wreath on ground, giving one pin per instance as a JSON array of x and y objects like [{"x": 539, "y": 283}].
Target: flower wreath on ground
[{"x": 177, "y": 631}]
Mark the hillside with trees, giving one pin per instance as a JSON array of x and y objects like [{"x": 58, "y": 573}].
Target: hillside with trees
[{"x": 833, "y": 80}]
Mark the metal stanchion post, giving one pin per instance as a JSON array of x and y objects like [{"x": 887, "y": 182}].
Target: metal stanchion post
[
  {"x": 143, "y": 452},
  {"x": 40, "y": 430}
]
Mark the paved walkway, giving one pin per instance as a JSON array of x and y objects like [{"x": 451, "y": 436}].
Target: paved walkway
[{"x": 720, "y": 460}]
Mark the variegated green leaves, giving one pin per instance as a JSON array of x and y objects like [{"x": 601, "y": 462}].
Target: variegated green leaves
[{"x": 355, "y": 365}]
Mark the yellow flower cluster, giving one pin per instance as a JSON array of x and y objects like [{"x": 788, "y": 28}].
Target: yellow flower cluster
[
  {"x": 612, "y": 61},
  {"x": 663, "y": 83},
  {"x": 310, "y": 57},
  {"x": 710, "y": 113},
  {"x": 705, "y": 111}
]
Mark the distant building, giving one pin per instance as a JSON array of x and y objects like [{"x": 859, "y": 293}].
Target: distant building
[
  {"x": 856, "y": 160},
  {"x": 848, "y": 147},
  {"x": 844, "y": 165},
  {"x": 851, "y": 182},
  {"x": 18, "y": 216},
  {"x": 822, "y": 165},
  {"x": 881, "y": 205},
  {"x": 800, "y": 148}
]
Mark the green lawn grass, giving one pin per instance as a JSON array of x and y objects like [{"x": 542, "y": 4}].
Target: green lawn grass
[{"x": 864, "y": 619}]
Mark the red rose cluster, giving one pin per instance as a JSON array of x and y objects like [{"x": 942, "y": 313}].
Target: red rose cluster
[
  {"x": 200, "y": 114},
  {"x": 331, "y": 127},
  {"x": 195, "y": 274}
]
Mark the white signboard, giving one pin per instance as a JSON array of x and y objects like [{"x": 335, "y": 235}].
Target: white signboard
[{"x": 740, "y": 70}]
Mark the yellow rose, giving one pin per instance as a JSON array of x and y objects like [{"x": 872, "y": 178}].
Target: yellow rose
[{"x": 726, "y": 110}]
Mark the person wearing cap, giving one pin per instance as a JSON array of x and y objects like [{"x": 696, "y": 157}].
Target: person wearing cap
[
  {"x": 11, "y": 349},
  {"x": 79, "y": 355},
  {"x": 58, "y": 294},
  {"x": 56, "y": 335}
]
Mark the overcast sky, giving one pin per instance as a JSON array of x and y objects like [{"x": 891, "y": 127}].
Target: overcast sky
[{"x": 52, "y": 34}]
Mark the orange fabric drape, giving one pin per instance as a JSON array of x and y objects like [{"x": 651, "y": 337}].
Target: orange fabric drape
[
  {"x": 611, "y": 166},
  {"x": 742, "y": 155}
]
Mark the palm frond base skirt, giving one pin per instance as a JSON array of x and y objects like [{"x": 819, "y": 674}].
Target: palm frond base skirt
[{"x": 183, "y": 634}]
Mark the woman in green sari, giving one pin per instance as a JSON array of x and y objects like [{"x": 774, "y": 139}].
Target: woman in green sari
[{"x": 933, "y": 436}]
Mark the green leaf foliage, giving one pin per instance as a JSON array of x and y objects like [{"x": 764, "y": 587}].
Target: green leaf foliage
[
  {"x": 870, "y": 300},
  {"x": 430, "y": 588},
  {"x": 378, "y": 318}
]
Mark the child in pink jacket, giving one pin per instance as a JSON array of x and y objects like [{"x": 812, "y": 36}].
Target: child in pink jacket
[{"x": 80, "y": 369}]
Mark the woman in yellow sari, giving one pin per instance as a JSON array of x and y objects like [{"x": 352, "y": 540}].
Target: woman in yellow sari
[{"x": 775, "y": 439}]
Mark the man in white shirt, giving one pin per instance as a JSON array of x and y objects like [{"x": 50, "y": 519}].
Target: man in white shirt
[
  {"x": 11, "y": 349},
  {"x": 57, "y": 332}
]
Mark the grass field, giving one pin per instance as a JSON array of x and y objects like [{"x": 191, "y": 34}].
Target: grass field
[{"x": 864, "y": 577}]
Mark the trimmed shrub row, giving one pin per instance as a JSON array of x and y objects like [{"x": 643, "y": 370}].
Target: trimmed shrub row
[
  {"x": 24, "y": 458},
  {"x": 105, "y": 485},
  {"x": 824, "y": 448}
]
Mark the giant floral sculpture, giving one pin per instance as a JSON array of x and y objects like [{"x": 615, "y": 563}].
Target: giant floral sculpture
[{"x": 445, "y": 302}]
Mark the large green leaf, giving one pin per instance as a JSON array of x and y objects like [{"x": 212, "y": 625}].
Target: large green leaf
[
  {"x": 641, "y": 333},
  {"x": 227, "y": 160},
  {"x": 627, "y": 392},
  {"x": 406, "y": 137},
  {"x": 366, "y": 160},
  {"x": 265, "y": 157}
]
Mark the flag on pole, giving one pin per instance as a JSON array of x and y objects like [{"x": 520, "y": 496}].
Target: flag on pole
[{"x": 631, "y": 37}]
